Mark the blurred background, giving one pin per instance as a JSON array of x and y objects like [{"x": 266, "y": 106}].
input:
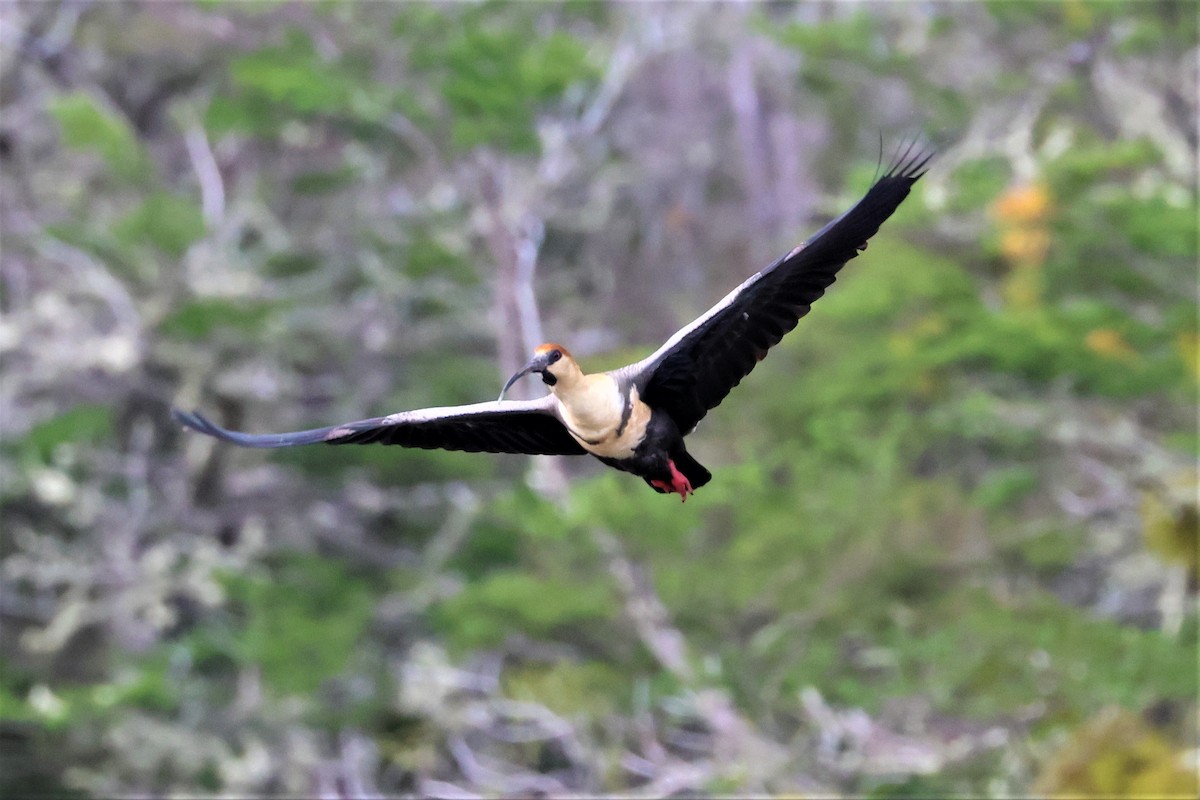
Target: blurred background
[{"x": 951, "y": 543}]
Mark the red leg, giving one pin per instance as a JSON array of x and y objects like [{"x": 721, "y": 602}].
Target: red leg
[{"x": 679, "y": 483}]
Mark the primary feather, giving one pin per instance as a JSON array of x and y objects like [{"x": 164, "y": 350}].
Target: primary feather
[{"x": 529, "y": 427}]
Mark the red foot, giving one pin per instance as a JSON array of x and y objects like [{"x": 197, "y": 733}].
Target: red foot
[{"x": 679, "y": 484}]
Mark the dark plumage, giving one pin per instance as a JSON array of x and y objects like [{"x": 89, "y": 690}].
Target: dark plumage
[
  {"x": 634, "y": 418},
  {"x": 508, "y": 427}
]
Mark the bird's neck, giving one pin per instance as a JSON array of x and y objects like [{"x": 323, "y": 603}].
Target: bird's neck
[{"x": 590, "y": 404}]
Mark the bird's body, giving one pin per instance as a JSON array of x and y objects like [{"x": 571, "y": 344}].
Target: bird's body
[
  {"x": 634, "y": 418},
  {"x": 608, "y": 418}
]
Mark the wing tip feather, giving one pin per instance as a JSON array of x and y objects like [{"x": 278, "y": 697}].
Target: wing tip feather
[
  {"x": 911, "y": 161},
  {"x": 195, "y": 421}
]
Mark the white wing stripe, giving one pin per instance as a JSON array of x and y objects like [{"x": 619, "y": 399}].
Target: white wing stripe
[{"x": 544, "y": 405}]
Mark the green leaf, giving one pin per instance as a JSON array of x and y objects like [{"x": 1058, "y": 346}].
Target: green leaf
[
  {"x": 290, "y": 263},
  {"x": 1049, "y": 551},
  {"x": 976, "y": 183},
  {"x": 507, "y": 602},
  {"x": 300, "y": 626},
  {"x": 568, "y": 688},
  {"x": 166, "y": 221},
  {"x": 549, "y": 67},
  {"x": 241, "y": 113},
  {"x": 83, "y": 424},
  {"x": 87, "y": 126},
  {"x": 1001, "y": 488},
  {"x": 198, "y": 319},
  {"x": 325, "y": 181},
  {"x": 494, "y": 76},
  {"x": 429, "y": 258},
  {"x": 293, "y": 75}
]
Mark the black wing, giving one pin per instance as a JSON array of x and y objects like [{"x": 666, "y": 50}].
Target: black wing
[
  {"x": 700, "y": 364},
  {"x": 508, "y": 426}
]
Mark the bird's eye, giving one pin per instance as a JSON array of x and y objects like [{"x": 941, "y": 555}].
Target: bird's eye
[{"x": 555, "y": 355}]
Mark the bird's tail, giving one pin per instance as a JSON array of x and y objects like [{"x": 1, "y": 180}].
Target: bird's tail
[{"x": 692, "y": 469}]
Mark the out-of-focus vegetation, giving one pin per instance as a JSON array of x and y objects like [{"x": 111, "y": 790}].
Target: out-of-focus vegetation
[{"x": 950, "y": 545}]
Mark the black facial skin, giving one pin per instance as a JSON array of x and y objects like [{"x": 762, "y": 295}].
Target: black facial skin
[{"x": 551, "y": 357}]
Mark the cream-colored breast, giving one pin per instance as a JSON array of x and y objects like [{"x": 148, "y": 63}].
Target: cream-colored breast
[{"x": 593, "y": 416}]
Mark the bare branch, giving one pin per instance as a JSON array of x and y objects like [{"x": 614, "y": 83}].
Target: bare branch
[
  {"x": 645, "y": 610},
  {"x": 208, "y": 174}
]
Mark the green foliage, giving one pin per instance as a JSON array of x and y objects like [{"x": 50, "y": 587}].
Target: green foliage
[
  {"x": 915, "y": 786},
  {"x": 151, "y": 686},
  {"x": 493, "y": 544},
  {"x": 950, "y": 328},
  {"x": 200, "y": 319},
  {"x": 87, "y": 126},
  {"x": 1013, "y": 15},
  {"x": 1154, "y": 225},
  {"x": 291, "y": 263},
  {"x": 1047, "y": 551},
  {"x": 507, "y": 603},
  {"x": 78, "y": 427},
  {"x": 292, "y": 75},
  {"x": 590, "y": 688},
  {"x": 604, "y": 501},
  {"x": 98, "y": 242},
  {"x": 1001, "y": 488},
  {"x": 301, "y": 625},
  {"x": 321, "y": 182},
  {"x": 1147, "y": 33},
  {"x": 13, "y": 708},
  {"x": 293, "y": 80},
  {"x": 426, "y": 257},
  {"x": 492, "y": 76},
  {"x": 1116, "y": 754},
  {"x": 1093, "y": 162},
  {"x": 1113, "y": 243},
  {"x": 1171, "y": 522},
  {"x": 168, "y": 222},
  {"x": 967, "y": 652},
  {"x": 977, "y": 183},
  {"x": 855, "y": 38}
]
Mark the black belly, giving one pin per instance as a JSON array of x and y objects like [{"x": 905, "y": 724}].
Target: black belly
[{"x": 651, "y": 459}]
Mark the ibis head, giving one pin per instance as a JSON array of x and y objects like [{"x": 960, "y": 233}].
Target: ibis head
[{"x": 552, "y": 361}]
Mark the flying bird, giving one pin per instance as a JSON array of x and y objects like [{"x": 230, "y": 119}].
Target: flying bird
[{"x": 635, "y": 418}]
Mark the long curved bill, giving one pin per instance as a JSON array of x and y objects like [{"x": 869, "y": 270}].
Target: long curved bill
[{"x": 532, "y": 366}]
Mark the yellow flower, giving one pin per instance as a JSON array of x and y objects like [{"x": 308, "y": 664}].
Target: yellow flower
[
  {"x": 1022, "y": 204},
  {"x": 1116, "y": 754},
  {"x": 1022, "y": 245},
  {"x": 1171, "y": 520},
  {"x": 1110, "y": 344},
  {"x": 1189, "y": 350}
]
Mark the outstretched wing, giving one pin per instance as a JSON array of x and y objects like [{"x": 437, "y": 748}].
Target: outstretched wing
[
  {"x": 700, "y": 364},
  {"x": 507, "y": 426}
]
